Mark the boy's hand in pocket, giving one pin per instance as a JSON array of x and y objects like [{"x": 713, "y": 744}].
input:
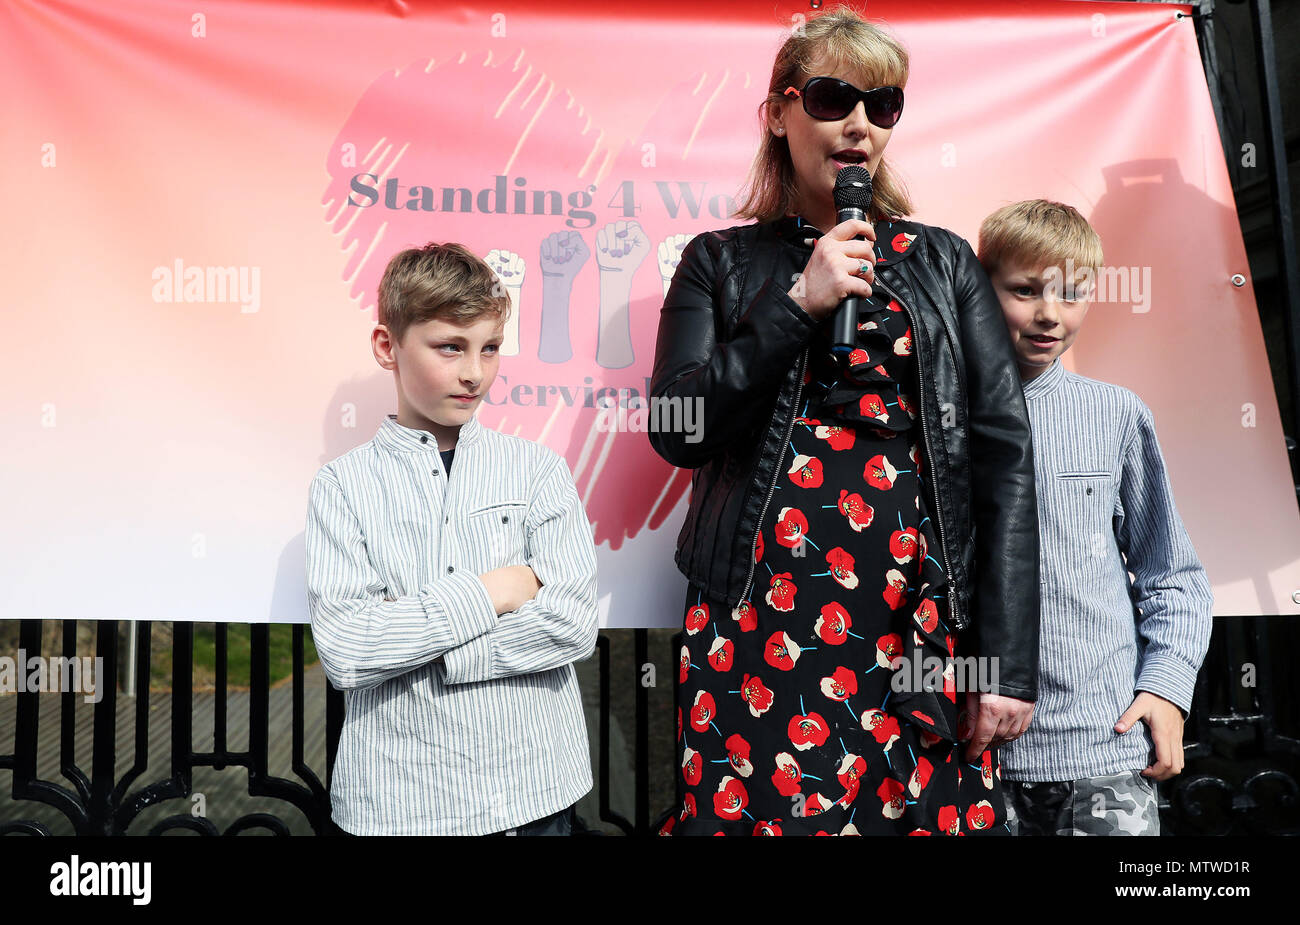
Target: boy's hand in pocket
[{"x": 1165, "y": 720}]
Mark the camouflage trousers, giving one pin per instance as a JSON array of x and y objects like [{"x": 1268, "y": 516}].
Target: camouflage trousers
[{"x": 1113, "y": 804}]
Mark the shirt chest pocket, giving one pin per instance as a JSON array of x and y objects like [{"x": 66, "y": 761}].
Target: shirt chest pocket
[
  {"x": 1079, "y": 517},
  {"x": 493, "y": 534}
]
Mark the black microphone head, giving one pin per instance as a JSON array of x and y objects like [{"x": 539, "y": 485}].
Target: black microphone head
[{"x": 853, "y": 188}]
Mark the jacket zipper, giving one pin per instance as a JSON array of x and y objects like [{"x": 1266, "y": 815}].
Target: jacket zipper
[
  {"x": 959, "y": 620},
  {"x": 776, "y": 474}
]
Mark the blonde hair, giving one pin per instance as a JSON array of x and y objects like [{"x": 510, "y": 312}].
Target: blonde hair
[
  {"x": 1038, "y": 233},
  {"x": 842, "y": 38},
  {"x": 443, "y": 281}
]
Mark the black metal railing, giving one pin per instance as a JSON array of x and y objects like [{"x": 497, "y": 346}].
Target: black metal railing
[{"x": 1240, "y": 776}]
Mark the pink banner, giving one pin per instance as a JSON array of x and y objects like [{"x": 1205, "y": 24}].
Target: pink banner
[{"x": 207, "y": 201}]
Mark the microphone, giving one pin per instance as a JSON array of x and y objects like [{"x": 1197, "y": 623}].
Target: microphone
[{"x": 852, "y": 200}]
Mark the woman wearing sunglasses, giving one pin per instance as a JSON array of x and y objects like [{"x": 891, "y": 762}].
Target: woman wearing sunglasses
[{"x": 854, "y": 524}]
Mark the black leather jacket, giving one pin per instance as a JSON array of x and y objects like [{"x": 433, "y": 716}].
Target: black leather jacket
[{"x": 731, "y": 336}]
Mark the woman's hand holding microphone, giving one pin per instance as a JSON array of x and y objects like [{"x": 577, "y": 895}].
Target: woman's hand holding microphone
[{"x": 831, "y": 274}]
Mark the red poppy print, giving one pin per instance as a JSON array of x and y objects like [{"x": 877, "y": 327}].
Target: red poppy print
[
  {"x": 879, "y": 473},
  {"x": 791, "y": 526},
  {"x": 832, "y": 626},
  {"x": 841, "y": 685},
  {"x": 986, "y": 769},
  {"x": 815, "y": 805},
  {"x": 890, "y": 792},
  {"x": 902, "y": 241},
  {"x": 758, "y": 546},
  {"x": 903, "y": 545},
  {"x": 697, "y": 618},
  {"x": 895, "y": 592},
  {"x": 873, "y": 406},
  {"x": 949, "y": 820},
  {"x": 893, "y": 306},
  {"x": 703, "y": 711},
  {"x": 772, "y": 828},
  {"x": 840, "y": 438},
  {"x": 738, "y": 755},
  {"x": 692, "y": 766},
  {"x": 788, "y": 775},
  {"x": 808, "y": 731},
  {"x": 889, "y": 648},
  {"x": 906, "y": 406},
  {"x": 859, "y": 513},
  {"x": 980, "y": 816},
  {"x": 881, "y": 725},
  {"x": 731, "y": 799},
  {"x": 683, "y": 665},
  {"x": 840, "y": 564},
  {"x": 927, "y": 615},
  {"x": 851, "y": 770},
  {"x": 806, "y": 471},
  {"x": 745, "y": 614},
  {"x": 721, "y": 654},
  {"x": 755, "y": 693},
  {"x": 920, "y": 776},
  {"x": 903, "y": 346},
  {"x": 780, "y": 596},
  {"x": 781, "y": 651},
  {"x": 858, "y": 356}
]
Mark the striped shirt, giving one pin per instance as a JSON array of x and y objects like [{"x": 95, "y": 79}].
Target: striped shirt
[
  {"x": 1103, "y": 493},
  {"x": 459, "y": 722}
]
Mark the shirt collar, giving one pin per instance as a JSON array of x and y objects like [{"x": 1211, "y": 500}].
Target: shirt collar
[
  {"x": 401, "y": 438},
  {"x": 894, "y": 237},
  {"x": 1045, "y": 381}
]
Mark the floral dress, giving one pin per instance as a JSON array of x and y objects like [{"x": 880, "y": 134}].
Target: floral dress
[{"x": 787, "y": 719}]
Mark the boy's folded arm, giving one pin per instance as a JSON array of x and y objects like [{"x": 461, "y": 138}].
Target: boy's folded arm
[
  {"x": 363, "y": 639},
  {"x": 1170, "y": 587},
  {"x": 559, "y": 624}
]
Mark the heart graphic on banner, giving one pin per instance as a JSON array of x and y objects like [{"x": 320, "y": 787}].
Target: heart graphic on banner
[{"x": 584, "y": 236}]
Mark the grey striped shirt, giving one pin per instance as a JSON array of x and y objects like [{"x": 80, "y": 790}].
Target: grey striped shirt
[
  {"x": 459, "y": 722},
  {"x": 1102, "y": 492}
]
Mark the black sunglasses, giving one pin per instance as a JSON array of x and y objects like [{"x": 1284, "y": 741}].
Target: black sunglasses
[{"x": 829, "y": 99}]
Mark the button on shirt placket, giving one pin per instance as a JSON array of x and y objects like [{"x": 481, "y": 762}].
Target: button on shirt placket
[{"x": 441, "y": 490}]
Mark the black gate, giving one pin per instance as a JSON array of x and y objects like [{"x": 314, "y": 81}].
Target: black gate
[{"x": 1240, "y": 776}]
